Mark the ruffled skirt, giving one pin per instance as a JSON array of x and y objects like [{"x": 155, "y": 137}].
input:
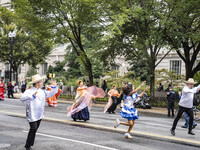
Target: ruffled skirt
[
  {"x": 129, "y": 113},
  {"x": 82, "y": 114}
]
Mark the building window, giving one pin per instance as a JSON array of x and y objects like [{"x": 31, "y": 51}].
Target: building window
[
  {"x": 115, "y": 67},
  {"x": 175, "y": 65},
  {"x": 44, "y": 68}
]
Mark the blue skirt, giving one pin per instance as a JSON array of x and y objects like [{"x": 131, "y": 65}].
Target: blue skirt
[
  {"x": 129, "y": 113},
  {"x": 82, "y": 115}
]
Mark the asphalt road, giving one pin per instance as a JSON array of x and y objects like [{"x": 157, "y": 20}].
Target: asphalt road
[{"x": 59, "y": 132}]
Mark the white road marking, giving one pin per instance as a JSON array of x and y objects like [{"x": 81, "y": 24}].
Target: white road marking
[{"x": 76, "y": 141}]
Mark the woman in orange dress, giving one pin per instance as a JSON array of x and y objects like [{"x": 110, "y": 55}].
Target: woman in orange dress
[
  {"x": 112, "y": 100},
  {"x": 83, "y": 101}
]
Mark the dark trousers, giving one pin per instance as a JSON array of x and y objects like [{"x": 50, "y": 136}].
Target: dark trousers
[
  {"x": 31, "y": 135},
  {"x": 114, "y": 104},
  {"x": 10, "y": 93},
  {"x": 170, "y": 107},
  {"x": 189, "y": 112}
]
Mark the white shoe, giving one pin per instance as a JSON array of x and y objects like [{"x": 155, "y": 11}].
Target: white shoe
[
  {"x": 127, "y": 136},
  {"x": 117, "y": 123}
]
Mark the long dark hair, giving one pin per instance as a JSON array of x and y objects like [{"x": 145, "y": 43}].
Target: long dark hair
[{"x": 127, "y": 89}]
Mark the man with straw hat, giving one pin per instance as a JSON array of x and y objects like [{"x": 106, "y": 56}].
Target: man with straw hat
[
  {"x": 186, "y": 103},
  {"x": 34, "y": 98}
]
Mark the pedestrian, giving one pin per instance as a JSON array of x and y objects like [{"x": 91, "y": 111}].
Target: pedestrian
[
  {"x": 34, "y": 98},
  {"x": 167, "y": 89},
  {"x": 104, "y": 85},
  {"x": 2, "y": 87},
  {"x": 128, "y": 111},
  {"x": 170, "y": 98},
  {"x": 186, "y": 104},
  {"x": 84, "y": 95},
  {"x": 160, "y": 87},
  {"x": 10, "y": 90},
  {"x": 61, "y": 85},
  {"x": 112, "y": 100},
  {"x": 23, "y": 86}
]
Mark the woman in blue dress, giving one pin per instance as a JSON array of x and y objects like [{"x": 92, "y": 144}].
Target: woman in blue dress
[{"x": 128, "y": 111}]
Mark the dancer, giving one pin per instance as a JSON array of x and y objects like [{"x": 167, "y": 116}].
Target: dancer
[
  {"x": 83, "y": 100},
  {"x": 185, "y": 104},
  {"x": 128, "y": 111},
  {"x": 112, "y": 100},
  {"x": 34, "y": 99},
  {"x": 2, "y": 87},
  {"x": 52, "y": 101}
]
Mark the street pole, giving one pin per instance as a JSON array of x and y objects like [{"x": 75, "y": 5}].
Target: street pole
[
  {"x": 11, "y": 55},
  {"x": 11, "y": 36}
]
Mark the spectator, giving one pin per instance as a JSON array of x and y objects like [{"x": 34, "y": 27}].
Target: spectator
[
  {"x": 167, "y": 89},
  {"x": 97, "y": 84},
  {"x": 10, "y": 89},
  {"x": 61, "y": 85},
  {"x": 160, "y": 87},
  {"x": 16, "y": 88},
  {"x": 104, "y": 85},
  {"x": 23, "y": 86},
  {"x": 170, "y": 98}
]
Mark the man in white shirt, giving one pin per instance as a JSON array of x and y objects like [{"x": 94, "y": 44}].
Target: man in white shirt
[
  {"x": 186, "y": 103},
  {"x": 34, "y": 99}
]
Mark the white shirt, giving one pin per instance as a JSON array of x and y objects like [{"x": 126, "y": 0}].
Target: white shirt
[
  {"x": 129, "y": 100},
  {"x": 35, "y": 105},
  {"x": 187, "y": 96}
]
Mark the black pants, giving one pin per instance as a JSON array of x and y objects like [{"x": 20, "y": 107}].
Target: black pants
[
  {"x": 31, "y": 135},
  {"x": 114, "y": 104},
  {"x": 189, "y": 111},
  {"x": 10, "y": 93},
  {"x": 170, "y": 106}
]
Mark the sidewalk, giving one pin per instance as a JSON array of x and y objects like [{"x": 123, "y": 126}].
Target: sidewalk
[{"x": 153, "y": 110}]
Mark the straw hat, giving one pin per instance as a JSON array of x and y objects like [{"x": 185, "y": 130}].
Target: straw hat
[
  {"x": 36, "y": 78},
  {"x": 190, "y": 81}
]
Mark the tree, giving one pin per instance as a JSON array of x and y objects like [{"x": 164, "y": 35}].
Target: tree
[
  {"x": 139, "y": 26},
  {"x": 184, "y": 33},
  {"x": 64, "y": 20},
  {"x": 170, "y": 77},
  {"x": 27, "y": 47}
]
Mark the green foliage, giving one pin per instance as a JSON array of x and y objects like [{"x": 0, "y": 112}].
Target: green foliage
[
  {"x": 112, "y": 78},
  {"x": 169, "y": 77},
  {"x": 27, "y": 48},
  {"x": 32, "y": 71},
  {"x": 197, "y": 77},
  {"x": 67, "y": 21}
]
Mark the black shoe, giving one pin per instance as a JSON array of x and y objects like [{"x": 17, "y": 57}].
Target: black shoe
[
  {"x": 113, "y": 112},
  {"x": 183, "y": 127},
  {"x": 190, "y": 132},
  {"x": 74, "y": 119},
  {"x": 28, "y": 148},
  {"x": 194, "y": 126},
  {"x": 172, "y": 132}
]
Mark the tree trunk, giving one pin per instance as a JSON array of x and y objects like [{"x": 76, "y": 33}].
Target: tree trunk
[
  {"x": 152, "y": 83},
  {"x": 89, "y": 70}
]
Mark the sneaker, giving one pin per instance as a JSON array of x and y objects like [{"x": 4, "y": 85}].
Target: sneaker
[
  {"x": 117, "y": 123},
  {"x": 127, "y": 136}
]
